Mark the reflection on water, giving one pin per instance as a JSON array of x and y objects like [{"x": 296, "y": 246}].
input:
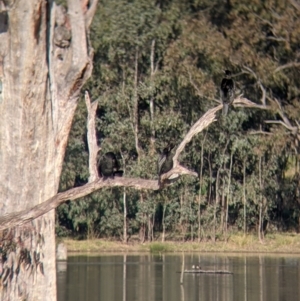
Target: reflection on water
[{"x": 156, "y": 277}]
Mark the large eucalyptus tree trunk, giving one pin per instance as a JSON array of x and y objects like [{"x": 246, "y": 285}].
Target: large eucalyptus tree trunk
[{"x": 45, "y": 58}]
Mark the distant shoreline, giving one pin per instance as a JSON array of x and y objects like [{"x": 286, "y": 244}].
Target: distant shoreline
[{"x": 273, "y": 243}]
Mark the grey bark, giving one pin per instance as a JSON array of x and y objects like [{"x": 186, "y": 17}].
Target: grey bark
[{"x": 42, "y": 71}]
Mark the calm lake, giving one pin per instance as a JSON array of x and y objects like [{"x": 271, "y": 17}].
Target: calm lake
[{"x": 145, "y": 277}]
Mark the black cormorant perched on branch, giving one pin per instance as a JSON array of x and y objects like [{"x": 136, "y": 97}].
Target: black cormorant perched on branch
[
  {"x": 165, "y": 162},
  {"x": 227, "y": 91},
  {"x": 108, "y": 166}
]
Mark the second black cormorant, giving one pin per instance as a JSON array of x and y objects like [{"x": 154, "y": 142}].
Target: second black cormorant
[
  {"x": 108, "y": 166},
  {"x": 165, "y": 163},
  {"x": 227, "y": 91}
]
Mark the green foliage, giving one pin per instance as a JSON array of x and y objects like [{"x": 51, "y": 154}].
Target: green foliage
[
  {"x": 172, "y": 54},
  {"x": 158, "y": 248}
]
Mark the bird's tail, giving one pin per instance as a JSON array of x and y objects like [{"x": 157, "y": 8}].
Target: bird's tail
[{"x": 225, "y": 109}]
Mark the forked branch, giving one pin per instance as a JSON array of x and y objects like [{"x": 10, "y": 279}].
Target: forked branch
[{"x": 19, "y": 218}]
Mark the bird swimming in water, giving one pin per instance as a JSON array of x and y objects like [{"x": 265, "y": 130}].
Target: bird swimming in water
[
  {"x": 227, "y": 91},
  {"x": 165, "y": 163},
  {"x": 108, "y": 166}
]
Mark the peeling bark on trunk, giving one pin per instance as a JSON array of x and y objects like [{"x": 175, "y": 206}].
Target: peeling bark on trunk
[{"x": 41, "y": 80}]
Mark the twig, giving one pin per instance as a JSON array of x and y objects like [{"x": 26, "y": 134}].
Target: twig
[
  {"x": 194, "y": 84},
  {"x": 259, "y": 133},
  {"x": 262, "y": 88},
  {"x": 280, "y": 122},
  {"x": 197, "y": 89},
  {"x": 289, "y": 65}
]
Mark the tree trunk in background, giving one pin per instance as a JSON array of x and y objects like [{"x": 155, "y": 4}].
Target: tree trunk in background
[
  {"x": 163, "y": 237},
  {"x": 216, "y": 204},
  {"x": 136, "y": 106},
  {"x": 125, "y": 217},
  {"x": 142, "y": 232},
  {"x": 43, "y": 72},
  {"x": 228, "y": 195},
  {"x": 151, "y": 104},
  {"x": 223, "y": 209},
  {"x": 244, "y": 197},
  {"x": 200, "y": 188}
]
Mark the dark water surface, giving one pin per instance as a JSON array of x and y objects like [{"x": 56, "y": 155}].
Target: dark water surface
[{"x": 145, "y": 277}]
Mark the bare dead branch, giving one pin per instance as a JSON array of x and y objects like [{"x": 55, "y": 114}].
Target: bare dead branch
[
  {"x": 263, "y": 98},
  {"x": 152, "y": 53},
  {"x": 178, "y": 169},
  {"x": 81, "y": 66},
  {"x": 90, "y": 13},
  {"x": 281, "y": 113},
  {"x": 260, "y": 132},
  {"x": 241, "y": 101},
  {"x": 199, "y": 126},
  {"x": 194, "y": 84},
  {"x": 278, "y": 39},
  {"x": 295, "y": 4},
  {"x": 282, "y": 123},
  {"x": 286, "y": 66},
  {"x": 19, "y": 218},
  {"x": 207, "y": 119},
  {"x": 78, "y": 28},
  {"x": 262, "y": 88},
  {"x": 91, "y": 137},
  {"x": 197, "y": 88}
]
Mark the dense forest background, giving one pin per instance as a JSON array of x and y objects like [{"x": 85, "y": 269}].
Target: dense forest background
[{"x": 157, "y": 69}]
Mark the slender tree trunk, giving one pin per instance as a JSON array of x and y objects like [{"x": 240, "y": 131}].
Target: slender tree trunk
[
  {"x": 151, "y": 104},
  {"x": 260, "y": 222},
  {"x": 124, "y": 277},
  {"x": 125, "y": 239},
  {"x": 149, "y": 228},
  {"x": 142, "y": 233},
  {"x": 228, "y": 195},
  {"x": 200, "y": 187},
  {"x": 210, "y": 180},
  {"x": 191, "y": 222},
  {"x": 260, "y": 200},
  {"x": 40, "y": 87},
  {"x": 223, "y": 209},
  {"x": 136, "y": 106},
  {"x": 223, "y": 191},
  {"x": 244, "y": 197},
  {"x": 163, "y": 237},
  {"x": 216, "y": 204},
  {"x": 182, "y": 223},
  {"x": 153, "y": 222}
]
